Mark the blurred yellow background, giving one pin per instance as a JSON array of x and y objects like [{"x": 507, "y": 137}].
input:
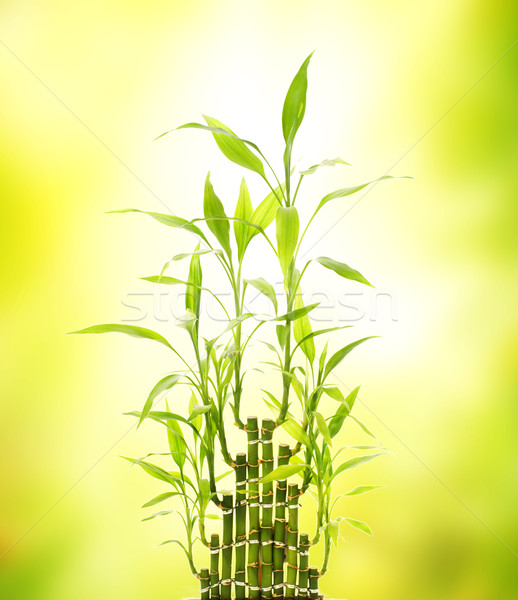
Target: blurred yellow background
[{"x": 85, "y": 88}]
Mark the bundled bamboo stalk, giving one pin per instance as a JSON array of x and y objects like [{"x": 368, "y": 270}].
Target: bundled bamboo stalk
[
  {"x": 292, "y": 539},
  {"x": 204, "y": 584},
  {"x": 313, "y": 582},
  {"x": 267, "y": 428},
  {"x": 226, "y": 548},
  {"x": 214, "y": 567},
  {"x": 254, "y": 535},
  {"x": 279, "y": 541},
  {"x": 304, "y": 543},
  {"x": 240, "y": 544}
]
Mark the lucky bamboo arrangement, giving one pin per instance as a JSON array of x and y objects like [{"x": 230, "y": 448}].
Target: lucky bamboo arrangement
[{"x": 260, "y": 552}]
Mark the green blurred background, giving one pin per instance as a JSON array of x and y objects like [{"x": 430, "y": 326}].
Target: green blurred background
[{"x": 85, "y": 88}]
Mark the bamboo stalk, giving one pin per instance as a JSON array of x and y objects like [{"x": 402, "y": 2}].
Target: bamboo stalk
[
  {"x": 204, "y": 584},
  {"x": 292, "y": 539},
  {"x": 214, "y": 567},
  {"x": 279, "y": 534},
  {"x": 226, "y": 548},
  {"x": 240, "y": 545},
  {"x": 304, "y": 543},
  {"x": 267, "y": 428},
  {"x": 254, "y": 535},
  {"x": 313, "y": 582}
]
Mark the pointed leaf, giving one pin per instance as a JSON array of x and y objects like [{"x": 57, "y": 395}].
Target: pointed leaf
[
  {"x": 132, "y": 330},
  {"x": 177, "y": 445},
  {"x": 295, "y": 102},
  {"x": 287, "y": 235},
  {"x": 244, "y": 211},
  {"x": 342, "y": 269},
  {"x": 217, "y": 220},
  {"x": 343, "y": 412},
  {"x": 361, "y": 525},
  {"x": 264, "y": 214},
  {"x": 169, "y": 220},
  {"x": 154, "y": 470},
  {"x": 355, "y": 462},
  {"x": 297, "y": 432},
  {"x": 283, "y": 472},
  {"x": 363, "y": 489},
  {"x": 322, "y": 427},
  {"x": 234, "y": 148},
  {"x": 160, "y": 498},
  {"x": 325, "y": 163},
  {"x": 341, "y": 193},
  {"x": 162, "y": 386},
  {"x": 302, "y": 330},
  {"x": 293, "y": 315},
  {"x": 265, "y": 288},
  {"x": 337, "y": 357}
]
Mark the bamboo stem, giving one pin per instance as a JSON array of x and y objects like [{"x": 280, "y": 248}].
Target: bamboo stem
[
  {"x": 279, "y": 533},
  {"x": 267, "y": 429},
  {"x": 313, "y": 582},
  {"x": 204, "y": 584},
  {"x": 254, "y": 535},
  {"x": 214, "y": 567},
  {"x": 291, "y": 539},
  {"x": 304, "y": 544},
  {"x": 240, "y": 545},
  {"x": 226, "y": 548}
]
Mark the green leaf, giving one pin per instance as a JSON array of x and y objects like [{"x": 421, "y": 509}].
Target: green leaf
[
  {"x": 282, "y": 334},
  {"x": 217, "y": 220},
  {"x": 343, "y": 412},
  {"x": 355, "y": 462},
  {"x": 341, "y": 193},
  {"x": 154, "y": 470},
  {"x": 337, "y": 357},
  {"x": 169, "y": 220},
  {"x": 161, "y": 513},
  {"x": 283, "y": 472},
  {"x": 132, "y": 330},
  {"x": 160, "y": 498},
  {"x": 325, "y": 163},
  {"x": 333, "y": 527},
  {"x": 162, "y": 386},
  {"x": 363, "y": 489},
  {"x": 197, "y": 252},
  {"x": 334, "y": 392},
  {"x": 342, "y": 269},
  {"x": 287, "y": 235},
  {"x": 164, "y": 280},
  {"x": 264, "y": 214},
  {"x": 297, "y": 313},
  {"x": 176, "y": 441},
  {"x": 196, "y": 410},
  {"x": 302, "y": 330},
  {"x": 265, "y": 288},
  {"x": 244, "y": 211},
  {"x": 197, "y": 420},
  {"x": 322, "y": 427},
  {"x": 297, "y": 432},
  {"x": 363, "y": 427},
  {"x": 361, "y": 525},
  {"x": 295, "y": 102},
  {"x": 234, "y": 148}
]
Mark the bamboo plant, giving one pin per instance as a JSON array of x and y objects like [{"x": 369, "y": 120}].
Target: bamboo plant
[{"x": 259, "y": 551}]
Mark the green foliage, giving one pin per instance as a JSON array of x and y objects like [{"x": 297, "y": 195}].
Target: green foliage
[{"x": 214, "y": 370}]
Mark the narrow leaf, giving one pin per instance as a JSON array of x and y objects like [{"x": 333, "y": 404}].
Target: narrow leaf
[
  {"x": 302, "y": 330},
  {"x": 212, "y": 207},
  {"x": 244, "y": 211},
  {"x": 337, "y": 357},
  {"x": 283, "y": 472},
  {"x": 264, "y": 214},
  {"x": 355, "y": 462},
  {"x": 361, "y": 525},
  {"x": 234, "y": 148},
  {"x": 133, "y": 330},
  {"x": 325, "y": 163},
  {"x": 363, "y": 489},
  {"x": 342, "y": 269},
  {"x": 297, "y": 432},
  {"x": 163, "y": 385},
  {"x": 265, "y": 288},
  {"x": 322, "y": 427},
  {"x": 160, "y": 498},
  {"x": 287, "y": 220},
  {"x": 295, "y": 102},
  {"x": 293, "y": 315},
  {"x": 169, "y": 220},
  {"x": 343, "y": 412}
]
